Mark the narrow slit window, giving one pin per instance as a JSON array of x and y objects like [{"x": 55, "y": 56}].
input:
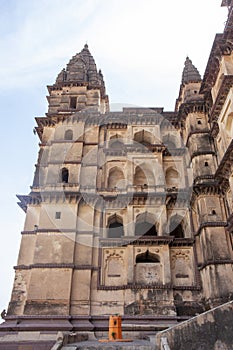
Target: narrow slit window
[
  {"x": 73, "y": 102},
  {"x": 69, "y": 135},
  {"x": 58, "y": 215},
  {"x": 64, "y": 175}
]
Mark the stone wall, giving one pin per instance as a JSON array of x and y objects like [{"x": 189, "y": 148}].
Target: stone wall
[{"x": 211, "y": 330}]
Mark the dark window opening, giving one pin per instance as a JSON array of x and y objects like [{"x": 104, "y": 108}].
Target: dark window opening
[
  {"x": 213, "y": 212},
  {"x": 115, "y": 230},
  {"x": 73, "y": 102},
  {"x": 58, "y": 215},
  {"x": 170, "y": 145},
  {"x": 69, "y": 135},
  {"x": 147, "y": 257},
  {"x": 144, "y": 138},
  {"x": 178, "y": 232},
  {"x": 65, "y": 175},
  {"x": 206, "y": 164},
  {"x": 145, "y": 229},
  {"x": 199, "y": 122},
  {"x": 116, "y": 144}
]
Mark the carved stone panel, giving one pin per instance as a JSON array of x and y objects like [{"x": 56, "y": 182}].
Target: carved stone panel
[
  {"x": 147, "y": 273},
  {"x": 182, "y": 269},
  {"x": 115, "y": 268}
]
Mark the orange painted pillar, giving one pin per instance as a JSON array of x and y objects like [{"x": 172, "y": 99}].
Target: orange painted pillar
[{"x": 114, "y": 330}]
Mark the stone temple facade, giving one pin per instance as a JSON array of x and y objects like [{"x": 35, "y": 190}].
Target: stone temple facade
[{"x": 130, "y": 212}]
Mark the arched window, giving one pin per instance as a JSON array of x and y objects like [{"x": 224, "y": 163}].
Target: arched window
[
  {"x": 115, "y": 227},
  {"x": 170, "y": 141},
  {"x": 65, "y": 175},
  {"x": 176, "y": 228},
  {"x": 172, "y": 177},
  {"x": 145, "y": 229},
  {"x": 143, "y": 177},
  {"x": 69, "y": 135},
  {"x": 116, "y": 144},
  {"x": 139, "y": 177},
  {"x": 147, "y": 257},
  {"x": 145, "y": 225},
  {"x": 178, "y": 232},
  {"x": 170, "y": 145},
  {"x": 116, "y": 178},
  {"x": 144, "y": 137}
]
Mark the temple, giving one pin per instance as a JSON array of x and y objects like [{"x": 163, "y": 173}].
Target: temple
[{"x": 130, "y": 212}]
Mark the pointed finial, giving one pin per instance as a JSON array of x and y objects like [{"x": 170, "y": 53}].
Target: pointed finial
[
  {"x": 86, "y": 46},
  {"x": 190, "y": 72}
]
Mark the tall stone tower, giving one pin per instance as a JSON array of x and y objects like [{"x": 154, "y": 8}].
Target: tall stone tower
[{"x": 130, "y": 212}]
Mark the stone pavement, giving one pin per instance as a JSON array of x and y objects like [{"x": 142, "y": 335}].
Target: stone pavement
[{"x": 95, "y": 345}]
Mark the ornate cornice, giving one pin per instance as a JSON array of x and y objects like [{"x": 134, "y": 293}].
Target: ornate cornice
[
  {"x": 210, "y": 224},
  {"x": 223, "y": 45},
  {"x": 197, "y": 132},
  {"x": 55, "y": 266},
  {"x": 225, "y": 166},
  {"x": 146, "y": 240},
  {"x": 60, "y": 231},
  {"x": 115, "y": 125},
  {"x": 207, "y": 189},
  {"x": 192, "y": 107},
  {"x": 202, "y": 153},
  {"x": 112, "y": 198},
  {"x": 226, "y": 85},
  {"x": 204, "y": 177},
  {"x": 25, "y": 200},
  {"x": 215, "y": 262},
  {"x": 138, "y": 286}
]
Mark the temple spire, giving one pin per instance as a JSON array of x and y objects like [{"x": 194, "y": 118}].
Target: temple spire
[
  {"x": 81, "y": 69},
  {"x": 190, "y": 73},
  {"x": 81, "y": 83}
]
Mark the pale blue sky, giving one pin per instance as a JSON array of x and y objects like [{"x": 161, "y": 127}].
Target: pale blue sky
[{"x": 139, "y": 45}]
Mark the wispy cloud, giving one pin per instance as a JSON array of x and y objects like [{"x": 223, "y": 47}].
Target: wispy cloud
[{"x": 148, "y": 40}]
